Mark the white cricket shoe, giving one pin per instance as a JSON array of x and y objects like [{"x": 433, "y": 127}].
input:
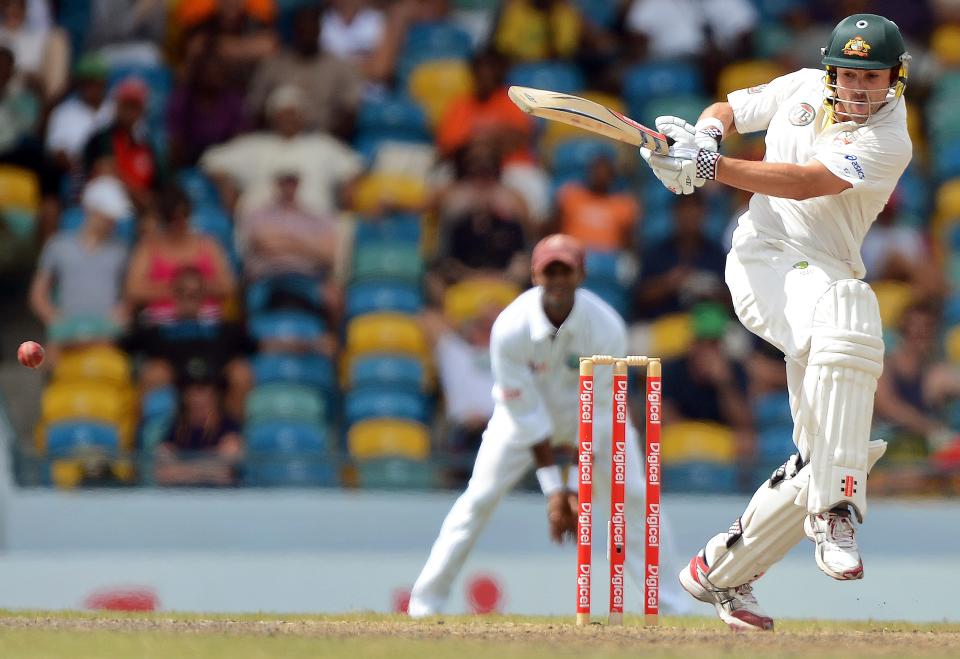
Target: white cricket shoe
[
  {"x": 736, "y": 606},
  {"x": 422, "y": 607},
  {"x": 836, "y": 551}
]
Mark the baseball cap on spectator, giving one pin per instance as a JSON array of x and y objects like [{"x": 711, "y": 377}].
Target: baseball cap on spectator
[
  {"x": 709, "y": 321},
  {"x": 286, "y": 97},
  {"x": 90, "y": 67},
  {"x": 132, "y": 89},
  {"x": 557, "y": 247},
  {"x": 107, "y": 196}
]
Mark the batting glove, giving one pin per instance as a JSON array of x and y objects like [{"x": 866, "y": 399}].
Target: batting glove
[
  {"x": 691, "y": 161},
  {"x": 669, "y": 171}
]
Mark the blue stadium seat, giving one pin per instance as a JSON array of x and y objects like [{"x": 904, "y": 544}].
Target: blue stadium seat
[
  {"x": 576, "y": 155},
  {"x": 199, "y": 187},
  {"x": 374, "y": 403},
  {"x": 775, "y": 443},
  {"x": 395, "y": 116},
  {"x": 213, "y": 222},
  {"x": 260, "y": 291},
  {"x": 431, "y": 40},
  {"x": 372, "y": 296},
  {"x": 601, "y": 13},
  {"x": 69, "y": 437},
  {"x": 555, "y": 76},
  {"x": 396, "y": 474},
  {"x": 159, "y": 403},
  {"x": 290, "y": 402},
  {"x": 286, "y": 325},
  {"x": 312, "y": 370},
  {"x": 946, "y": 160},
  {"x": 603, "y": 265},
  {"x": 290, "y": 471},
  {"x": 612, "y": 293},
  {"x": 705, "y": 477},
  {"x": 387, "y": 370},
  {"x": 280, "y": 437},
  {"x": 772, "y": 409},
  {"x": 644, "y": 82},
  {"x": 405, "y": 228}
]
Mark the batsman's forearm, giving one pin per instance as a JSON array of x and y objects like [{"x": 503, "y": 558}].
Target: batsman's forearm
[
  {"x": 543, "y": 454},
  {"x": 774, "y": 179},
  {"x": 724, "y": 113}
]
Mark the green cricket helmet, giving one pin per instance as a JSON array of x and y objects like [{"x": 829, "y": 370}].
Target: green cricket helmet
[{"x": 865, "y": 41}]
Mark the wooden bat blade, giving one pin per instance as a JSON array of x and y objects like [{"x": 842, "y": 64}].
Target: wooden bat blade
[{"x": 586, "y": 114}]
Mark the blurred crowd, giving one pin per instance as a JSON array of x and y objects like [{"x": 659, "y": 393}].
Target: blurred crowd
[{"x": 270, "y": 237}]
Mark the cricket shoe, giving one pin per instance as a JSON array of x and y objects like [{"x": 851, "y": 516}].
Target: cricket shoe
[
  {"x": 736, "y": 606},
  {"x": 836, "y": 551},
  {"x": 423, "y": 607}
]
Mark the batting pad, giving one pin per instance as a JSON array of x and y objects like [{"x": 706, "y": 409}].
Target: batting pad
[
  {"x": 836, "y": 399},
  {"x": 770, "y": 526}
]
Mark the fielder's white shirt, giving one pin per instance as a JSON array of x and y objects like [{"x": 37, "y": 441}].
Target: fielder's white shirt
[
  {"x": 536, "y": 368},
  {"x": 871, "y": 156}
]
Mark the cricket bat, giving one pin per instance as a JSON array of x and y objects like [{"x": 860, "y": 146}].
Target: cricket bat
[{"x": 588, "y": 115}]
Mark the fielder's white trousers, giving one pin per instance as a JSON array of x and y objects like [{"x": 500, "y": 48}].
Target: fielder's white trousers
[{"x": 498, "y": 468}]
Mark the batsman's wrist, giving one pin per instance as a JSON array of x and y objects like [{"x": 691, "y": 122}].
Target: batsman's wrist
[
  {"x": 712, "y": 128},
  {"x": 550, "y": 480},
  {"x": 707, "y": 164}
]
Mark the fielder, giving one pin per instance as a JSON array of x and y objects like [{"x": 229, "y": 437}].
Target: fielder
[
  {"x": 836, "y": 144},
  {"x": 535, "y": 348}
]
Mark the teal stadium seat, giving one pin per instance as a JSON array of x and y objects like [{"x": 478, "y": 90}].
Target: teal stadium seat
[
  {"x": 397, "y": 261},
  {"x": 555, "y": 76},
  {"x": 281, "y": 401},
  {"x": 396, "y": 474}
]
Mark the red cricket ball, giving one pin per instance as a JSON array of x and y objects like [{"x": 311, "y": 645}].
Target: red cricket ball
[{"x": 30, "y": 354}]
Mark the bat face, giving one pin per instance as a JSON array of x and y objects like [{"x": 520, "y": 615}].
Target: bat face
[{"x": 588, "y": 115}]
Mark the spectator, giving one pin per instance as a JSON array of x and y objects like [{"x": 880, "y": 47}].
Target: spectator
[
  {"x": 463, "y": 361},
  {"x": 482, "y": 223},
  {"x": 683, "y": 269},
  {"x": 204, "y": 446},
  {"x": 530, "y": 30},
  {"x": 79, "y": 275},
  {"x": 19, "y": 115},
  {"x": 74, "y": 120},
  {"x": 158, "y": 258},
  {"x": 123, "y": 148},
  {"x": 203, "y": 112},
  {"x": 706, "y": 385},
  {"x": 128, "y": 31},
  {"x": 401, "y": 17},
  {"x": 240, "y": 31},
  {"x": 247, "y": 163},
  {"x": 916, "y": 383},
  {"x": 283, "y": 238},
  {"x": 192, "y": 345},
  {"x": 603, "y": 220},
  {"x": 719, "y": 27},
  {"x": 331, "y": 86},
  {"x": 352, "y": 30},
  {"x": 486, "y": 113},
  {"x": 42, "y": 56}
]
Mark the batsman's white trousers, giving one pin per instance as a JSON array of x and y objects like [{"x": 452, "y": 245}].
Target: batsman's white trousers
[{"x": 498, "y": 468}]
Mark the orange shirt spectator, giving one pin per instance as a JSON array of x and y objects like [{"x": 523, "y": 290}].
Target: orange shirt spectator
[
  {"x": 600, "y": 219},
  {"x": 192, "y": 12}
]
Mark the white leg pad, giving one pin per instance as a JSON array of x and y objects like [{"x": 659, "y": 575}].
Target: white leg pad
[
  {"x": 770, "y": 526},
  {"x": 836, "y": 401}
]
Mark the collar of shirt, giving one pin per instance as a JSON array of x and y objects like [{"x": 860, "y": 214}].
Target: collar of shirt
[{"x": 540, "y": 326}]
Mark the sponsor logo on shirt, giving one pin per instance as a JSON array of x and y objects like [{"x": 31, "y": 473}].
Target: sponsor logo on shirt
[
  {"x": 801, "y": 265},
  {"x": 756, "y": 89},
  {"x": 856, "y": 47},
  {"x": 855, "y": 163},
  {"x": 846, "y": 137},
  {"x": 802, "y": 114}
]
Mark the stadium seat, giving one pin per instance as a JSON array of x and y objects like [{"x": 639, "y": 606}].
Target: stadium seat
[
  {"x": 671, "y": 335},
  {"x": 69, "y": 437},
  {"x": 946, "y": 158},
  {"x": 373, "y": 296},
  {"x": 772, "y": 409},
  {"x": 644, "y": 82},
  {"x": 697, "y": 441},
  {"x": 612, "y": 293},
  {"x": 401, "y": 227},
  {"x": 555, "y": 76},
  {"x": 893, "y": 297},
  {"x": 386, "y": 333},
  {"x": 199, "y": 187},
  {"x": 470, "y": 297},
  {"x": 19, "y": 189},
  {"x": 378, "y": 191},
  {"x": 775, "y": 445},
  {"x": 304, "y": 288},
  {"x": 573, "y": 157},
  {"x": 83, "y": 400},
  {"x": 699, "y": 477},
  {"x": 945, "y": 44},
  {"x": 437, "y": 83},
  {"x": 82, "y": 329},
  {"x": 309, "y": 470},
  {"x": 310, "y": 370},
  {"x": 431, "y": 40},
  {"x": 213, "y": 222},
  {"x": 745, "y": 74},
  {"x": 601, "y": 13},
  {"x": 395, "y": 117},
  {"x": 952, "y": 344},
  {"x": 291, "y": 402},
  {"x": 401, "y": 262},
  {"x": 380, "y": 438},
  {"x": 387, "y": 370},
  {"x": 688, "y": 106},
  {"x": 101, "y": 363},
  {"x": 555, "y": 132},
  {"x": 377, "y": 402},
  {"x": 286, "y": 326},
  {"x": 396, "y": 474},
  {"x": 280, "y": 437}
]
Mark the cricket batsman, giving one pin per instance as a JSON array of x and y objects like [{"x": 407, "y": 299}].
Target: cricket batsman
[
  {"x": 535, "y": 350},
  {"x": 836, "y": 144}
]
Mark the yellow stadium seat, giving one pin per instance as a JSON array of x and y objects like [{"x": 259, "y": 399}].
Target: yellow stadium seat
[
  {"x": 378, "y": 438},
  {"x": 915, "y": 127},
  {"x": 19, "y": 189},
  {"x": 947, "y": 206},
  {"x": 102, "y": 363},
  {"x": 893, "y": 297},
  {"x": 697, "y": 441},
  {"x": 555, "y": 132},
  {"x": 670, "y": 335},
  {"x": 952, "y": 341},
  {"x": 377, "y": 191},
  {"x": 468, "y": 298},
  {"x": 84, "y": 400},
  {"x": 386, "y": 332},
  {"x": 945, "y": 44},
  {"x": 437, "y": 83},
  {"x": 741, "y": 75}
]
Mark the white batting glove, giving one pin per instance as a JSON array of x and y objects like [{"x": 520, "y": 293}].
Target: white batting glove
[
  {"x": 686, "y": 162},
  {"x": 668, "y": 171}
]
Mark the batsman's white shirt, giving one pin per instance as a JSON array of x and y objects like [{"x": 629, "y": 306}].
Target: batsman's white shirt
[{"x": 871, "y": 156}]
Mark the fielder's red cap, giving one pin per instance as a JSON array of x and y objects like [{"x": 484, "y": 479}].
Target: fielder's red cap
[{"x": 557, "y": 247}]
